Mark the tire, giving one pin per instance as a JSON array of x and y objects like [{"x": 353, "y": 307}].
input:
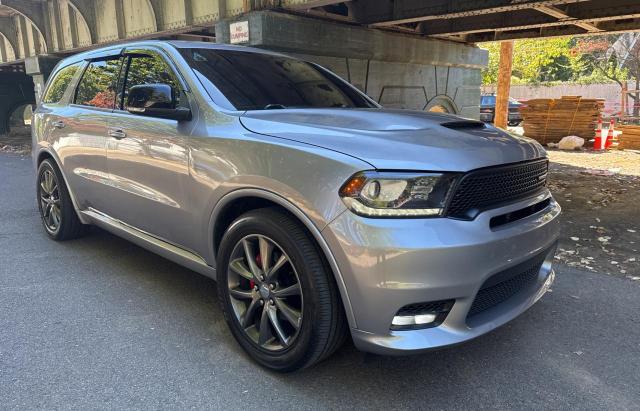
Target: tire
[
  {"x": 514, "y": 123},
  {"x": 57, "y": 213},
  {"x": 322, "y": 324}
]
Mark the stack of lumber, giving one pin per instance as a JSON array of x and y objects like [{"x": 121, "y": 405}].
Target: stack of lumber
[
  {"x": 548, "y": 120},
  {"x": 630, "y": 138}
]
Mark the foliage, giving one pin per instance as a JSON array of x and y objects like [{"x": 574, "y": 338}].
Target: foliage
[
  {"x": 585, "y": 60},
  {"x": 99, "y": 78},
  {"x": 60, "y": 83},
  {"x": 615, "y": 57},
  {"x": 534, "y": 61}
]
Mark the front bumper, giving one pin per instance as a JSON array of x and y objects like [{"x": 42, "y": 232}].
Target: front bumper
[{"x": 389, "y": 263}]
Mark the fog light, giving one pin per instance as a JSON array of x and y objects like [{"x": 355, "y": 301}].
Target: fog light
[
  {"x": 421, "y": 319},
  {"x": 421, "y": 315}
]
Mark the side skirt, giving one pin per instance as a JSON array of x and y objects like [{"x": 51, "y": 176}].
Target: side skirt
[{"x": 154, "y": 244}]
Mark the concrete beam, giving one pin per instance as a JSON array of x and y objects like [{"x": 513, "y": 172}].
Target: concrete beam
[
  {"x": 410, "y": 11},
  {"x": 610, "y": 27},
  {"x": 296, "y": 34},
  {"x": 584, "y": 15},
  {"x": 308, "y": 4}
]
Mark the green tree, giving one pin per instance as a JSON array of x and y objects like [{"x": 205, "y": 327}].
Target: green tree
[
  {"x": 534, "y": 61},
  {"x": 614, "y": 57}
]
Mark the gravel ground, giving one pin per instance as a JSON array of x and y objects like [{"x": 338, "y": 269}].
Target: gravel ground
[
  {"x": 624, "y": 162},
  {"x": 601, "y": 220},
  {"x": 16, "y": 142}
]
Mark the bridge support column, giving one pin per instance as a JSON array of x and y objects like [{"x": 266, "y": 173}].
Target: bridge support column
[
  {"x": 39, "y": 68},
  {"x": 398, "y": 71}
]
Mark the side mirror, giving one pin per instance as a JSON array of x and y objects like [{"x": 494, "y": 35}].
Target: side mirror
[{"x": 155, "y": 100}]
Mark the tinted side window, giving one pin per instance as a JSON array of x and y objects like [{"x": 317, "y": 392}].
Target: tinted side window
[
  {"x": 150, "y": 70},
  {"x": 97, "y": 87},
  {"x": 60, "y": 82}
]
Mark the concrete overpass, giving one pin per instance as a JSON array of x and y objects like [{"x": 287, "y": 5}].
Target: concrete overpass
[{"x": 417, "y": 54}]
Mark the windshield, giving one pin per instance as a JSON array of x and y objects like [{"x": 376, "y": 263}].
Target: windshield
[{"x": 256, "y": 81}]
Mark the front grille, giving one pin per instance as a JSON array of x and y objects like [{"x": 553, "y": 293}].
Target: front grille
[
  {"x": 490, "y": 187},
  {"x": 504, "y": 285}
]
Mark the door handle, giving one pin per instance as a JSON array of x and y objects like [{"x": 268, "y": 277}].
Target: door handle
[
  {"x": 117, "y": 133},
  {"x": 58, "y": 124}
]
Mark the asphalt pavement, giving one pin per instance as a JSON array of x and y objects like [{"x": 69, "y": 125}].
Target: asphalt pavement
[{"x": 101, "y": 323}]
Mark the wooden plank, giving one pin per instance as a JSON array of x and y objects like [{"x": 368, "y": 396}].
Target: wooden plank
[{"x": 548, "y": 120}]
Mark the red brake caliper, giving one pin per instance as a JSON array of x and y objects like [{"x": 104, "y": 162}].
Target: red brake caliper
[{"x": 259, "y": 263}]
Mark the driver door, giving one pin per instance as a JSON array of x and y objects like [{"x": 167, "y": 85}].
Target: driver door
[{"x": 147, "y": 157}]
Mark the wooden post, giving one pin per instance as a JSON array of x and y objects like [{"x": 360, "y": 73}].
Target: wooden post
[
  {"x": 504, "y": 84},
  {"x": 623, "y": 105}
]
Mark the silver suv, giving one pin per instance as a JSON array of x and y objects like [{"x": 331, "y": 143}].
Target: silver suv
[{"x": 319, "y": 213}]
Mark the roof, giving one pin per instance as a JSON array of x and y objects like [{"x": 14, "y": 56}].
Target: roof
[{"x": 179, "y": 44}]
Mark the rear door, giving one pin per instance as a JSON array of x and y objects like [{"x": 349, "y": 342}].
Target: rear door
[
  {"x": 83, "y": 130},
  {"x": 48, "y": 119},
  {"x": 147, "y": 156}
]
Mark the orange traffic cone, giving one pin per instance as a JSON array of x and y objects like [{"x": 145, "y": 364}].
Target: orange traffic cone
[
  {"x": 597, "y": 142},
  {"x": 612, "y": 127}
]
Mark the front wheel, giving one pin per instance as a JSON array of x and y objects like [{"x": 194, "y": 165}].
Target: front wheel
[{"x": 277, "y": 293}]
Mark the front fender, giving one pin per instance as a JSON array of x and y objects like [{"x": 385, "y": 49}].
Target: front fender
[{"x": 312, "y": 227}]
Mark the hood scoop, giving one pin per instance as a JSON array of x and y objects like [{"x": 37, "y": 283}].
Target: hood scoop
[{"x": 464, "y": 125}]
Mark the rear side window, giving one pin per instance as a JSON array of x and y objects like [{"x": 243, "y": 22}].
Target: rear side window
[
  {"x": 60, "y": 82},
  {"x": 97, "y": 87}
]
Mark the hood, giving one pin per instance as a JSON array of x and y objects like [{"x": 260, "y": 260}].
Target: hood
[{"x": 397, "y": 139}]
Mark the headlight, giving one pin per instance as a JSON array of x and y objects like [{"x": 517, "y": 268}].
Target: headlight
[{"x": 390, "y": 194}]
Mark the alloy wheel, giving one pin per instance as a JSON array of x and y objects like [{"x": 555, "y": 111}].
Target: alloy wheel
[
  {"x": 265, "y": 292},
  {"x": 50, "y": 201}
]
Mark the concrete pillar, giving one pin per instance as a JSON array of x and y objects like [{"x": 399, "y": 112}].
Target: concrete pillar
[
  {"x": 53, "y": 17},
  {"x": 21, "y": 36},
  {"x": 397, "y": 70},
  {"x": 73, "y": 21},
  {"x": 39, "y": 68},
  {"x": 31, "y": 42},
  {"x": 120, "y": 20},
  {"x": 65, "y": 24},
  {"x": 3, "y": 50}
]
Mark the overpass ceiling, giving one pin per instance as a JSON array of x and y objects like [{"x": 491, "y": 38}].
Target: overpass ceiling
[{"x": 475, "y": 21}]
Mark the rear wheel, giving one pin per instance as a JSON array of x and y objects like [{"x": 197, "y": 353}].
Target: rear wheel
[
  {"x": 58, "y": 215},
  {"x": 278, "y": 295}
]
